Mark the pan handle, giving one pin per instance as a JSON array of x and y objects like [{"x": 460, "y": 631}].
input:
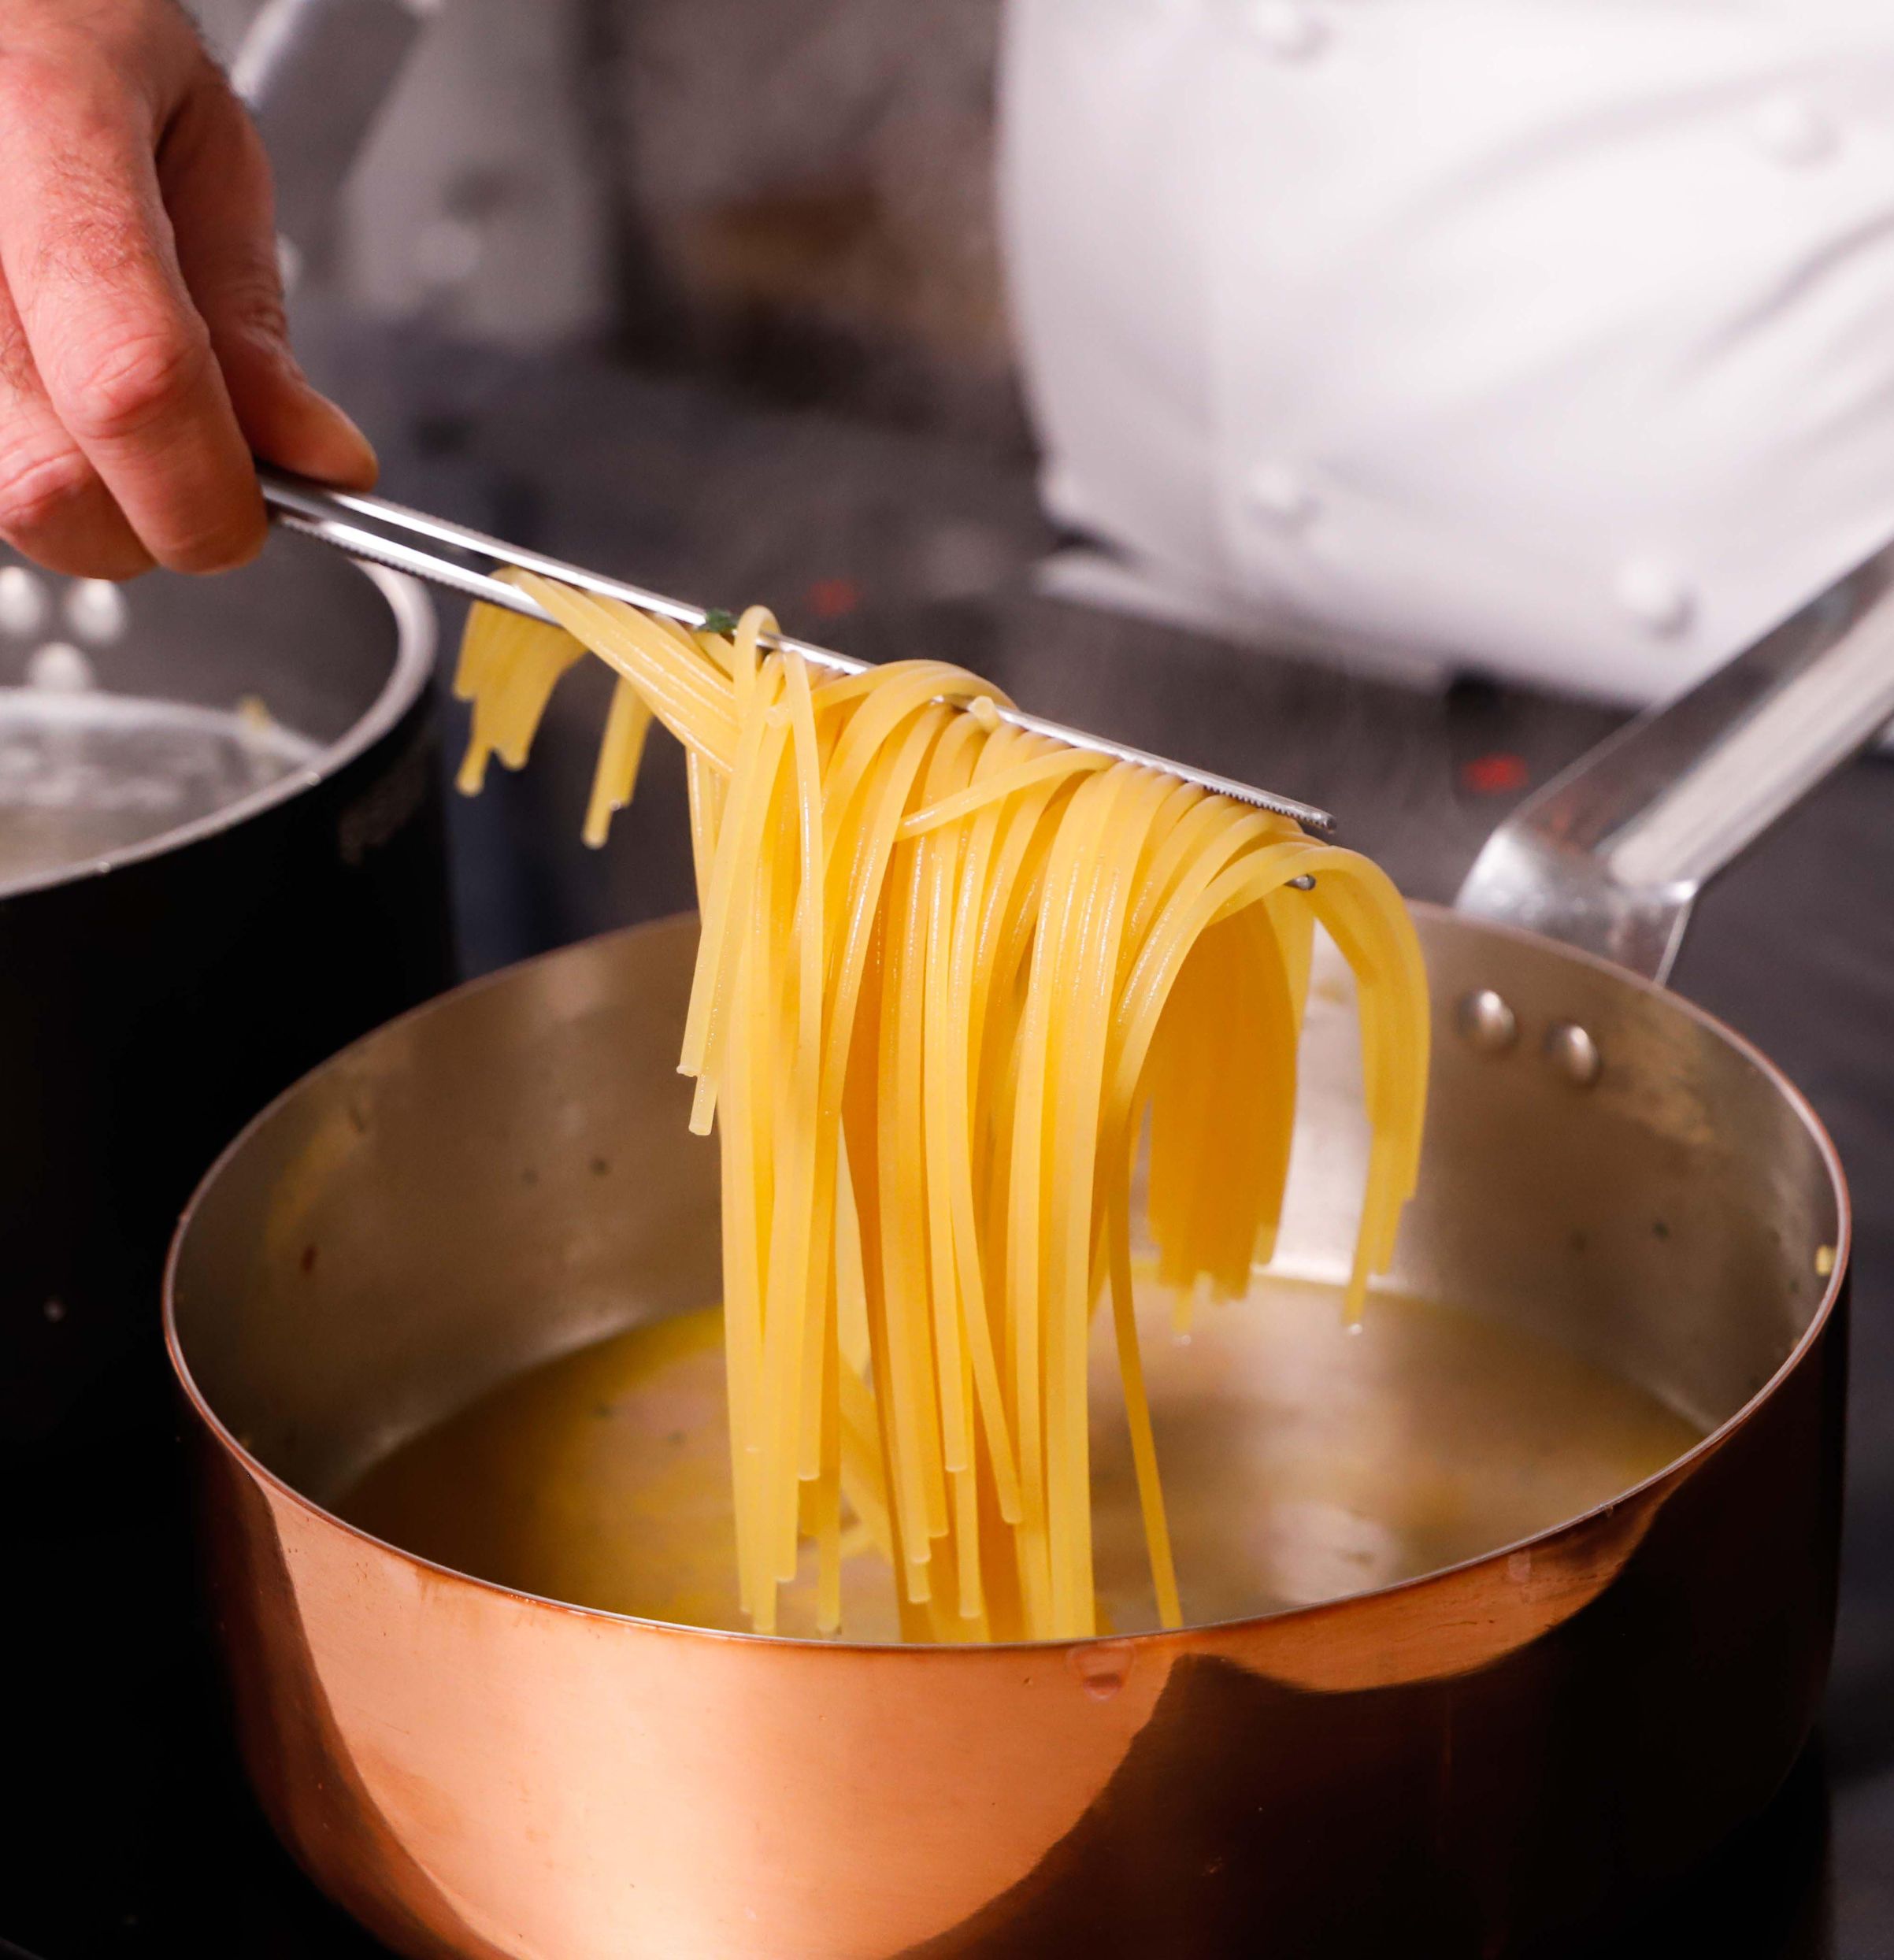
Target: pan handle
[
  {"x": 1609, "y": 856},
  {"x": 316, "y": 74}
]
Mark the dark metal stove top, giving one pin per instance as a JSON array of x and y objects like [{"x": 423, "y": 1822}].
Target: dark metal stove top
[{"x": 137, "y": 1838}]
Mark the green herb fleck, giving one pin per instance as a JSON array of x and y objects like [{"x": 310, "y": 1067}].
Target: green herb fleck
[{"x": 718, "y": 621}]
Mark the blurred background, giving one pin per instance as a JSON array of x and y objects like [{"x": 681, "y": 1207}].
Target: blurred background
[{"x": 715, "y": 295}]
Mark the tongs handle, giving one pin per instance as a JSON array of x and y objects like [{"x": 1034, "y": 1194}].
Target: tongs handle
[
  {"x": 345, "y": 520},
  {"x": 385, "y": 533},
  {"x": 1609, "y": 856}
]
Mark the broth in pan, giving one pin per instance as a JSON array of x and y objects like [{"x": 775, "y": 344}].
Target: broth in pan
[{"x": 1301, "y": 1462}]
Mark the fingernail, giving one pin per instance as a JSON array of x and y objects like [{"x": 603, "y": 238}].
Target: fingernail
[{"x": 347, "y": 457}]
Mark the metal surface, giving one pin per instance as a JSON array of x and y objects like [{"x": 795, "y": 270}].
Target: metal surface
[
  {"x": 1458, "y": 1764},
  {"x": 316, "y": 74},
  {"x": 1485, "y": 1021},
  {"x": 359, "y": 524},
  {"x": 1611, "y": 854}
]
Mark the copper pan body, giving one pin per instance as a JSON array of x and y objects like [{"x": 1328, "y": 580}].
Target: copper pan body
[{"x": 1467, "y": 1763}]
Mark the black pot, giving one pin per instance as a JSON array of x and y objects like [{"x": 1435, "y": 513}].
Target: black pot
[{"x": 150, "y": 1003}]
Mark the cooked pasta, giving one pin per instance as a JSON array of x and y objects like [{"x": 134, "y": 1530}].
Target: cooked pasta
[{"x": 952, "y": 978}]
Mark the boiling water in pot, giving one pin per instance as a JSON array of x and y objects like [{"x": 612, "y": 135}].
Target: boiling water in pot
[
  {"x": 85, "y": 774},
  {"x": 1302, "y": 1461}
]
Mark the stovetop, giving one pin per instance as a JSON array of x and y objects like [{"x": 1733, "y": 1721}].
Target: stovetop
[{"x": 136, "y": 1837}]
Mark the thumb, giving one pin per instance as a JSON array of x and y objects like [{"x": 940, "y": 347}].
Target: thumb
[{"x": 285, "y": 420}]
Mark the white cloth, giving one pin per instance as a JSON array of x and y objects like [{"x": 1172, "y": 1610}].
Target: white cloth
[{"x": 1551, "y": 337}]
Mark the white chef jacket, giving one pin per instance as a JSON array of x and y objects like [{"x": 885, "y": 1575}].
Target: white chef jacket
[{"x": 1550, "y": 337}]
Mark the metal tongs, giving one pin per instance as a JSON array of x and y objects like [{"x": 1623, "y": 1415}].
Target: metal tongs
[{"x": 384, "y": 533}]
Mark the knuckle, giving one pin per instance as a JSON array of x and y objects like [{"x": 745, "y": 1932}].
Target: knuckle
[
  {"x": 252, "y": 308},
  {"x": 38, "y": 489},
  {"x": 30, "y": 79},
  {"x": 70, "y": 106},
  {"x": 120, "y": 390}
]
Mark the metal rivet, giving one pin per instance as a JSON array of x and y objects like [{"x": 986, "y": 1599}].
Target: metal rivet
[
  {"x": 1102, "y": 1666},
  {"x": 60, "y": 670},
  {"x": 1793, "y": 131},
  {"x": 1486, "y": 1023},
  {"x": 1655, "y": 595},
  {"x": 24, "y": 603},
  {"x": 1573, "y": 1053},
  {"x": 1278, "y": 493},
  {"x": 96, "y": 610},
  {"x": 1290, "y": 32}
]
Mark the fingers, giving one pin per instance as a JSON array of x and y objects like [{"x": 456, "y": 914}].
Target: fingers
[
  {"x": 53, "y": 506},
  {"x": 143, "y": 351},
  {"x": 124, "y": 358},
  {"x": 215, "y": 179}
]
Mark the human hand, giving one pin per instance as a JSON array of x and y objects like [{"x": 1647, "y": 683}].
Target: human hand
[{"x": 144, "y": 351}]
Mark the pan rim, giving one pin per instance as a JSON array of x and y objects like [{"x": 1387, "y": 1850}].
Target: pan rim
[
  {"x": 1180, "y": 1638},
  {"x": 416, "y": 637}
]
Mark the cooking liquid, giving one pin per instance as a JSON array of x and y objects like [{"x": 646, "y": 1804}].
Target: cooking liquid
[
  {"x": 1301, "y": 1463},
  {"x": 86, "y": 774}
]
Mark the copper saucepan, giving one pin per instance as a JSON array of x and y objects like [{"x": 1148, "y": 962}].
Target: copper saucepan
[{"x": 1478, "y": 1749}]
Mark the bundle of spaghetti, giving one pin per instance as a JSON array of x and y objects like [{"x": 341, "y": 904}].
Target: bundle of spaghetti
[
  {"x": 952, "y": 979},
  {"x": 508, "y": 669}
]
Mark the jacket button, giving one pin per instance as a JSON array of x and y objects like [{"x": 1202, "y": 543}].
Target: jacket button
[
  {"x": 1280, "y": 495},
  {"x": 1791, "y": 129},
  {"x": 1654, "y": 596},
  {"x": 1290, "y": 32}
]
